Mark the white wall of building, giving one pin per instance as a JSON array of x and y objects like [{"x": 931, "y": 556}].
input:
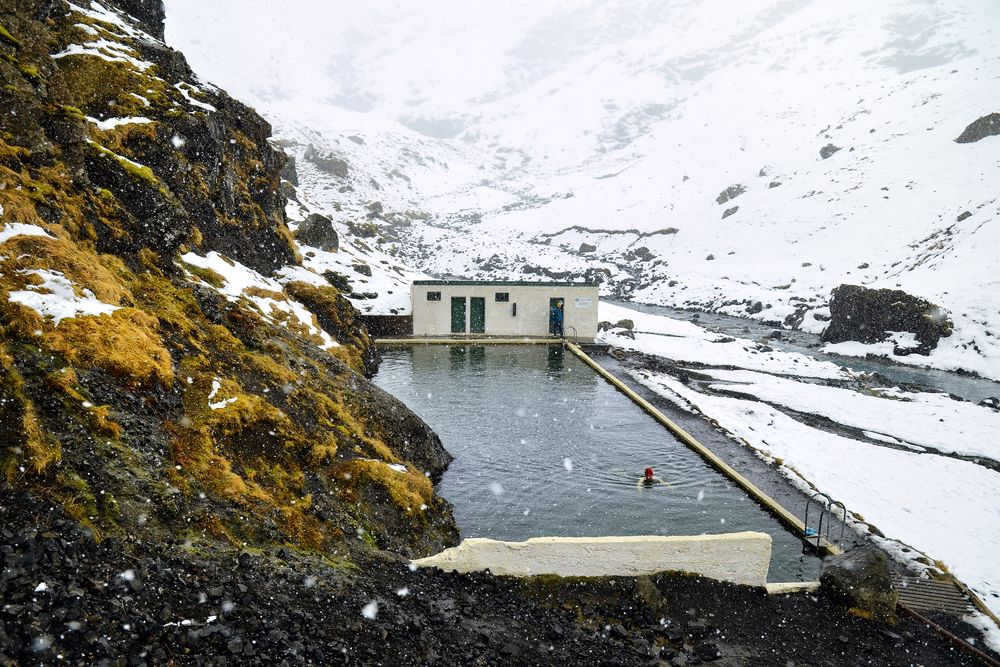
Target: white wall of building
[{"x": 433, "y": 318}]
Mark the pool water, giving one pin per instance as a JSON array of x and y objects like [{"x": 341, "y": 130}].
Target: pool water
[{"x": 544, "y": 446}]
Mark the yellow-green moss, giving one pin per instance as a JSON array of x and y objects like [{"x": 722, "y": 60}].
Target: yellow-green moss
[
  {"x": 28, "y": 448},
  {"x": 125, "y": 343},
  {"x": 99, "y": 86},
  {"x": 408, "y": 491},
  {"x": 98, "y": 416},
  {"x": 326, "y": 304},
  {"x": 74, "y": 494},
  {"x": 30, "y": 73},
  {"x": 139, "y": 172},
  {"x": 208, "y": 275},
  {"x": 125, "y": 139},
  {"x": 5, "y": 36}
]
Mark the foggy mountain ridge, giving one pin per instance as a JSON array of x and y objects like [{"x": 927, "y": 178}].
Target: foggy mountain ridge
[{"x": 745, "y": 163}]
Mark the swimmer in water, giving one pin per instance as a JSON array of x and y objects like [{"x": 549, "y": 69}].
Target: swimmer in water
[{"x": 648, "y": 480}]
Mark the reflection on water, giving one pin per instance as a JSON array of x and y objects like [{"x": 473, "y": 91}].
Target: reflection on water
[
  {"x": 543, "y": 446},
  {"x": 970, "y": 388}
]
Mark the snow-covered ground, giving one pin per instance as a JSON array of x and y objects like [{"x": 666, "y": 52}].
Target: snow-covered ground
[{"x": 892, "y": 475}]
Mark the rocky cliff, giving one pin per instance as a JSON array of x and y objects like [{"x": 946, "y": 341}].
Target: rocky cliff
[{"x": 167, "y": 369}]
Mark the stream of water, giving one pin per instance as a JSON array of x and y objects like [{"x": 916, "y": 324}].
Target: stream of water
[{"x": 970, "y": 388}]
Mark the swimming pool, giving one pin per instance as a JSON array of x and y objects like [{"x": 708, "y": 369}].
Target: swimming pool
[{"x": 544, "y": 446}]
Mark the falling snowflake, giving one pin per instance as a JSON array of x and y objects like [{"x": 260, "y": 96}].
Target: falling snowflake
[
  {"x": 568, "y": 464},
  {"x": 701, "y": 495},
  {"x": 370, "y": 610},
  {"x": 402, "y": 592},
  {"x": 496, "y": 488}
]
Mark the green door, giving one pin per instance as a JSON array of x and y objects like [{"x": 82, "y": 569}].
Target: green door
[
  {"x": 477, "y": 315},
  {"x": 458, "y": 314}
]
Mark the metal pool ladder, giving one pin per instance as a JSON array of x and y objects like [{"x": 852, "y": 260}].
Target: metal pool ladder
[{"x": 826, "y": 505}]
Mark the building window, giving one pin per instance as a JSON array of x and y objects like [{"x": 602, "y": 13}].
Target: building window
[
  {"x": 434, "y": 296},
  {"x": 502, "y": 297}
]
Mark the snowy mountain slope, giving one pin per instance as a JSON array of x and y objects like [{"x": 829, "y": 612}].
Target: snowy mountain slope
[{"x": 524, "y": 130}]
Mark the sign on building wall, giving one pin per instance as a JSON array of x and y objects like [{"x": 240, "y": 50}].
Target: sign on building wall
[{"x": 584, "y": 301}]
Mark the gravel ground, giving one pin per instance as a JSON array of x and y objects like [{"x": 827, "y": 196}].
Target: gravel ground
[{"x": 69, "y": 599}]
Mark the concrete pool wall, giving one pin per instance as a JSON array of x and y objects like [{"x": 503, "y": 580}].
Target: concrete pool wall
[{"x": 742, "y": 558}]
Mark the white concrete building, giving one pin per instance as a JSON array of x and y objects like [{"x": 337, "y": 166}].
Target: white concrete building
[{"x": 504, "y": 308}]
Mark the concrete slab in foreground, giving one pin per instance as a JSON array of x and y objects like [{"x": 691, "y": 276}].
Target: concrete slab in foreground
[{"x": 742, "y": 558}]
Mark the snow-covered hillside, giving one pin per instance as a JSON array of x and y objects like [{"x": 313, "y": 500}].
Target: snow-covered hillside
[{"x": 746, "y": 157}]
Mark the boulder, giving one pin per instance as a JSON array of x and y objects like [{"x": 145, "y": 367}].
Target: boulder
[
  {"x": 991, "y": 402},
  {"x": 732, "y": 192},
  {"x": 317, "y": 231},
  {"x": 150, "y": 13},
  {"x": 729, "y": 211},
  {"x": 625, "y": 324},
  {"x": 586, "y": 247},
  {"x": 362, "y": 268},
  {"x": 338, "y": 280},
  {"x": 289, "y": 173},
  {"x": 332, "y": 165},
  {"x": 987, "y": 126},
  {"x": 861, "y": 581},
  {"x": 964, "y": 215},
  {"x": 828, "y": 150},
  {"x": 869, "y": 315}
]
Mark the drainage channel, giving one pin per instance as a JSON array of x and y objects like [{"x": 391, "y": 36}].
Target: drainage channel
[{"x": 545, "y": 446}]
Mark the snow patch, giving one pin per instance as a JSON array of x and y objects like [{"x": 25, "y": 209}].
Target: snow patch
[{"x": 57, "y": 297}]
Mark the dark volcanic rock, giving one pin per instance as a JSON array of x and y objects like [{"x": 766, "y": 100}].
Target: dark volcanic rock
[
  {"x": 729, "y": 211},
  {"x": 150, "y": 14},
  {"x": 362, "y": 268},
  {"x": 289, "y": 173},
  {"x": 987, "y": 126},
  {"x": 964, "y": 215},
  {"x": 860, "y": 579},
  {"x": 586, "y": 247},
  {"x": 866, "y": 315},
  {"x": 331, "y": 164},
  {"x": 828, "y": 150},
  {"x": 732, "y": 192},
  {"x": 317, "y": 231}
]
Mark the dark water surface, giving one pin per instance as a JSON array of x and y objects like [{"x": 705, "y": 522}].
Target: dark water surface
[{"x": 544, "y": 446}]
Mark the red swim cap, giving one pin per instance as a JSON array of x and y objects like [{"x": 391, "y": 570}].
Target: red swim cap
[{"x": 649, "y": 472}]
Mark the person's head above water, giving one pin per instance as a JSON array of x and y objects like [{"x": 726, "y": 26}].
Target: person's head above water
[{"x": 649, "y": 472}]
